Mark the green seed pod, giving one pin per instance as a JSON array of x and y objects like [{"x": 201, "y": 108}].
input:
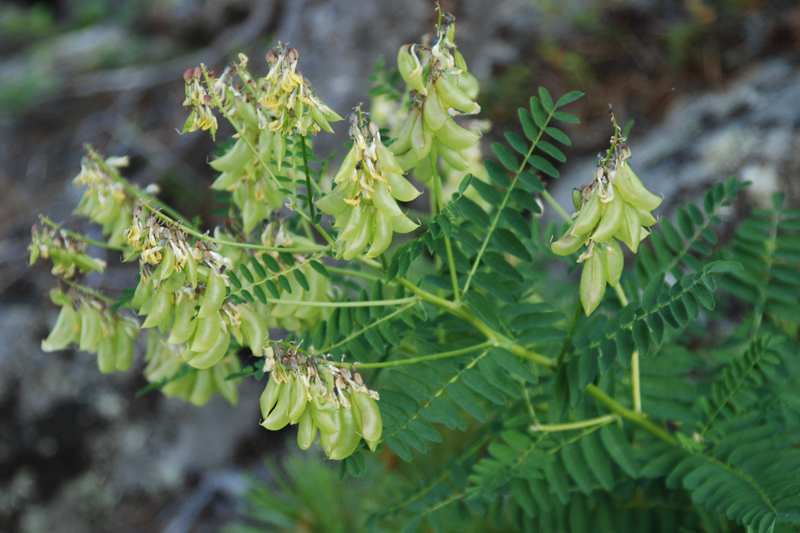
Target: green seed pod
[
  {"x": 332, "y": 203},
  {"x": 64, "y": 331},
  {"x": 455, "y": 97},
  {"x": 191, "y": 271},
  {"x": 371, "y": 423},
  {"x": 645, "y": 217},
  {"x": 611, "y": 220},
  {"x": 246, "y": 111},
  {"x": 184, "y": 326},
  {"x": 460, "y": 63},
  {"x": 210, "y": 357},
  {"x": 159, "y": 312},
  {"x": 174, "y": 282},
  {"x": 349, "y": 434},
  {"x": 593, "y": 282},
  {"x": 403, "y": 224},
  {"x": 387, "y": 160},
  {"x": 106, "y": 360},
  {"x": 254, "y": 328},
  {"x": 202, "y": 389},
  {"x": 227, "y": 180},
  {"x": 270, "y": 396},
  {"x": 452, "y": 157},
  {"x": 233, "y": 160},
  {"x": 407, "y": 160},
  {"x": 123, "y": 347},
  {"x": 631, "y": 228},
  {"x": 207, "y": 332},
  {"x": 421, "y": 138},
  {"x": 614, "y": 261},
  {"x": 306, "y": 430},
  {"x": 348, "y": 166},
  {"x": 91, "y": 328},
  {"x": 423, "y": 171},
  {"x": 141, "y": 294},
  {"x": 568, "y": 244},
  {"x": 360, "y": 241},
  {"x": 384, "y": 200},
  {"x": 457, "y": 137},
  {"x": 632, "y": 189},
  {"x": 279, "y": 417},
  {"x": 401, "y": 188},
  {"x": 588, "y": 216},
  {"x": 433, "y": 110},
  {"x": 356, "y": 222},
  {"x": 381, "y": 235},
  {"x": 214, "y": 296},
  {"x": 577, "y": 199},
  {"x": 279, "y": 149},
  {"x": 325, "y": 413},
  {"x": 402, "y": 143},
  {"x": 408, "y": 67},
  {"x": 320, "y": 119},
  {"x": 299, "y": 401}
]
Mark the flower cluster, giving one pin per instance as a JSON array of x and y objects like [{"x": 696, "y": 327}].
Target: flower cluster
[
  {"x": 183, "y": 289},
  {"x": 67, "y": 253},
  {"x": 314, "y": 393},
  {"x": 105, "y": 201},
  {"x": 441, "y": 89},
  {"x": 270, "y": 114},
  {"x": 615, "y": 206},
  {"x": 192, "y": 385},
  {"x": 89, "y": 323},
  {"x": 364, "y": 202},
  {"x": 202, "y": 104}
]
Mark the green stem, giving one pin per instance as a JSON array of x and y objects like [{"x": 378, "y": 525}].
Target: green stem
[
  {"x": 80, "y": 237},
  {"x": 631, "y": 416},
  {"x": 424, "y": 358},
  {"x": 224, "y": 242},
  {"x": 599, "y": 421},
  {"x": 437, "y": 187},
  {"x": 354, "y": 273},
  {"x": 636, "y": 387},
  {"x": 575, "y": 317},
  {"x": 366, "y": 303},
  {"x": 557, "y": 208},
  {"x": 89, "y": 291},
  {"x": 308, "y": 177},
  {"x": 372, "y": 325},
  {"x": 521, "y": 351},
  {"x": 492, "y": 226}
]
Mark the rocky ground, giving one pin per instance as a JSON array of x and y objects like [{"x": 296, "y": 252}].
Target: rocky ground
[{"x": 713, "y": 87}]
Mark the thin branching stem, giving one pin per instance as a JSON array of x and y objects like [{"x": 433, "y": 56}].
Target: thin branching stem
[
  {"x": 82, "y": 238},
  {"x": 439, "y": 205}
]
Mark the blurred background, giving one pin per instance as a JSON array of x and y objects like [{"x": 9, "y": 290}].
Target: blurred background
[{"x": 713, "y": 88}]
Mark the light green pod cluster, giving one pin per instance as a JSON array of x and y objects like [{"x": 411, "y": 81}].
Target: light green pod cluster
[
  {"x": 441, "y": 89},
  {"x": 88, "y": 323},
  {"x": 67, "y": 254},
  {"x": 368, "y": 186},
  {"x": 320, "y": 398},
  {"x": 201, "y": 320},
  {"x": 183, "y": 291},
  {"x": 194, "y": 386},
  {"x": 270, "y": 113},
  {"x": 616, "y": 207},
  {"x": 105, "y": 202}
]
